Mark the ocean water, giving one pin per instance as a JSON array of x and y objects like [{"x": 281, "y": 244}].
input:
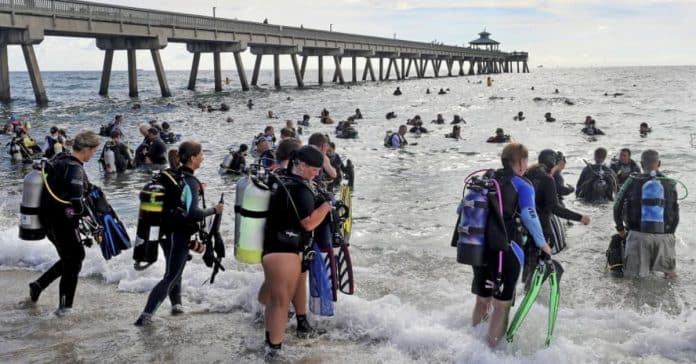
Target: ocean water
[{"x": 412, "y": 302}]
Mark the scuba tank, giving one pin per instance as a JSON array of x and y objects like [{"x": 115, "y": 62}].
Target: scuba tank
[
  {"x": 652, "y": 206},
  {"x": 57, "y": 147},
  {"x": 15, "y": 151},
  {"x": 227, "y": 162},
  {"x": 473, "y": 215},
  {"x": 109, "y": 161},
  {"x": 241, "y": 186},
  {"x": 149, "y": 220},
  {"x": 255, "y": 202},
  {"x": 29, "y": 224}
]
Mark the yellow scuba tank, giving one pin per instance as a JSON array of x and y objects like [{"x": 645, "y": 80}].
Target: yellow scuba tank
[
  {"x": 149, "y": 220},
  {"x": 239, "y": 195},
  {"x": 256, "y": 198},
  {"x": 29, "y": 225}
]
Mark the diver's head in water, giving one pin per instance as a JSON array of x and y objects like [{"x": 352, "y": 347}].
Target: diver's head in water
[
  {"x": 403, "y": 129},
  {"x": 500, "y": 133}
]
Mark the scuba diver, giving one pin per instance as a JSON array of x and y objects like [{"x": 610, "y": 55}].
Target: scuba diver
[
  {"x": 294, "y": 212},
  {"x": 324, "y": 117},
  {"x": 271, "y": 115},
  {"x": 440, "y": 120},
  {"x": 153, "y": 151},
  {"x": 235, "y": 162},
  {"x": 250, "y": 104},
  {"x": 457, "y": 119},
  {"x": 499, "y": 137},
  {"x": 62, "y": 206},
  {"x": 442, "y": 92},
  {"x": 167, "y": 135},
  {"x": 418, "y": 128},
  {"x": 345, "y": 130},
  {"x": 548, "y": 118},
  {"x": 427, "y": 91},
  {"x": 397, "y": 92},
  {"x": 519, "y": 116},
  {"x": 396, "y": 140},
  {"x": 287, "y": 133},
  {"x": 547, "y": 205},
  {"x": 646, "y": 213},
  {"x": 264, "y": 152},
  {"x": 416, "y": 119},
  {"x": 562, "y": 188},
  {"x": 456, "y": 132},
  {"x": 23, "y": 147},
  {"x": 644, "y": 129},
  {"x": 390, "y": 115},
  {"x": 624, "y": 166},
  {"x": 494, "y": 282},
  {"x": 591, "y": 129},
  {"x": 115, "y": 156},
  {"x": 117, "y": 124},
  {"x": 304, "y": 121},
  {"x": 185, "y": 220},
  {"x": 597, "y": 182},
  {"x": 358, "y": 114},
  {"x": 52, "y": 144}
]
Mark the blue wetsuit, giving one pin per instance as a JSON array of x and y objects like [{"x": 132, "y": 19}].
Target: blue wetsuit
[{"x": 518, "y": 207}]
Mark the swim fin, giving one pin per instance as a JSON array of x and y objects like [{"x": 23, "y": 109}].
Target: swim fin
[
  {"x": 539, "y": 276},
  {"x": 554, "y": 280}
]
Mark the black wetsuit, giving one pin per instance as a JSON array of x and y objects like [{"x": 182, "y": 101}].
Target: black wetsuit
[
  {"x": 592, "y": 131},
  {"x": 546, "y": 199},
  {"x": 69, "y": 182},
  {"x": 624, "y": 170},
  {"x": 284, "y": 232},
  {"x": 185, "y": 222},
  {"x": 594, "y": 185},
  {"x": 561, "y": 187},
  {"x": 122, "y": 156},
  {"x": 157, "y": 151}
]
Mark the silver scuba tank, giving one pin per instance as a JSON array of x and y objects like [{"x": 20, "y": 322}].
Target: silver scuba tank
[
  {"x": 255, "y": 202},
  {"x": 16, "y": 152},
  {"x": 239, "y": 196},
  {"x": 227, "y": 162},
  {"x": 110, "y": 161},
  {"x": 29, "y": 225}
]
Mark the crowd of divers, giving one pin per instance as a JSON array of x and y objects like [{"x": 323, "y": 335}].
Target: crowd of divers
[{"x": 510, "y": 219}]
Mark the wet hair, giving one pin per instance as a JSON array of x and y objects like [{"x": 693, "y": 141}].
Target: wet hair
[
  {"x": 165, "y": 125},
  {"x": 85, "y": 139},
  {"x": 153, "y": 131},
  {"x": 173, "y": 157},
  {"x": 305, "y": 117},
  {"x": 286, "y": 148},
  {"x": 499, "y": 131},
  {"x": 243, "y": 148},
  {"x": 317, "y": 140},
  {"x": 267, "y": 129},
  {"x": 513, "y": 153},
  {"x": 187, "y": 150},
  {"x": 643, "y": 124},
  {"x": 649, "y": 157},
  {"x": 54, "y": 129},
  {"x": 626, "y": 150},
  {"x": 332, "y": 145},
  {"x": 118, "y": 116},
  {"x": 115, "y": 134},
  {"x": 287, "y": 133},
  {"x": 600, "y": 154}
]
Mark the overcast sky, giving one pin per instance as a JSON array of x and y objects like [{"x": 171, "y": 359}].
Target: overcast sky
[{"x": 556, "y": 33}]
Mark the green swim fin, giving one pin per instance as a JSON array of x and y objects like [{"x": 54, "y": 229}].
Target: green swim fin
[
  {"x": 554, "y": 280},
  {"x": 538, "y": 278}
]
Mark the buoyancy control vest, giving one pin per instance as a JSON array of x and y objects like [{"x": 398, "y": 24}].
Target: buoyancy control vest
[
  {"x": 481, "y": 225},
  {"x": 651, "y": 204}
]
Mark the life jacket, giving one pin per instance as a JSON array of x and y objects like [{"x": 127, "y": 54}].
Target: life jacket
[
  {"x": 481, "y": 225},
  {"x": 651, "y": 204}
]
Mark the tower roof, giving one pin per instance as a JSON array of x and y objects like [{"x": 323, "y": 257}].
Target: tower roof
[{"x": 483, "y": 39}]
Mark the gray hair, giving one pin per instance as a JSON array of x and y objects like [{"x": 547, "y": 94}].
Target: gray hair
[{"x": 85, "y": 139}]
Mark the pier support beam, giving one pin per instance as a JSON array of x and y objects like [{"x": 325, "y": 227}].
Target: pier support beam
[
  {"x": 194, "y": 71},
  {"x": 257, "y": 68},
  {"x": 381, "y": 67},
  {"x": 408, "y": 68},
  {"x": 304, "y": 66},
  {"x": 525, "y": 68},
  {"x": 34, "y": 74},
  {"x": 449, "y": 67},
  {"x": 276, "y": 71},
  {"x": 296, "y": 69},
  {"x": 389, "y": 66},
  {"x": 106, "y": 72},
  {"x": 4, "y": 75},
  {"x": 338, "y": 72},
  {"x": 472, "y": 64},
  {"x": 132, "y": 74},
  {"x": 396, "y": 69},
  {"x": 161, "y": 77},
  {"x": 240, "y": 71},
  {"x": 217, "y": 71},
  {"x": 368, "y": 68},
  {"x": 321, "y": 70},
  {"x": 354, "y": 66}
]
